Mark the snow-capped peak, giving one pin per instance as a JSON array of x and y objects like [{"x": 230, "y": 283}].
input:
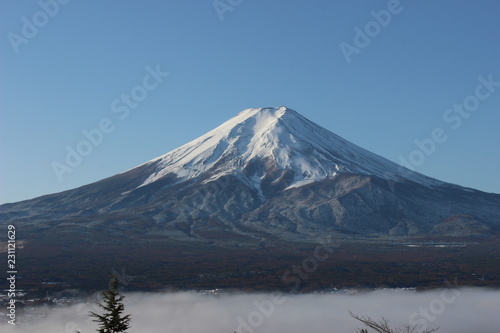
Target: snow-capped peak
[{"x": 283, "y": 140}]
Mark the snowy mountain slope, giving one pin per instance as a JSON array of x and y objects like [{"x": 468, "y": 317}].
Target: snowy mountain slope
[
  {"x": 266, "y": 173},
  {"x": 279, "y": 136}
]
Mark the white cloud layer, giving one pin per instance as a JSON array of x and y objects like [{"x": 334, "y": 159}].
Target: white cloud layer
[{"x": 454, "y": 310}]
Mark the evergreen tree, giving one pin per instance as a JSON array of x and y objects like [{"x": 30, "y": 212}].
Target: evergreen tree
[{"x": 113, "y": 320}]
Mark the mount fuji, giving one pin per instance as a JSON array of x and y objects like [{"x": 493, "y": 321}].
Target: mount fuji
[
  {"x": 272, "y": 144},
  {"x": 266, "y": 174}
]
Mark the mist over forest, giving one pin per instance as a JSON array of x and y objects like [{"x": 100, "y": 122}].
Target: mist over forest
[{"x": 454, "y": 310}]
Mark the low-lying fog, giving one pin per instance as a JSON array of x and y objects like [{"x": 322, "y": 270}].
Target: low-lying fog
[{"x": 454, "y": 310}]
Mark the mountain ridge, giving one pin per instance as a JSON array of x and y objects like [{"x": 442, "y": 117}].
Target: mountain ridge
[
  {"x": 287, "y": 139},
  {"x": 265, "y": 173}
]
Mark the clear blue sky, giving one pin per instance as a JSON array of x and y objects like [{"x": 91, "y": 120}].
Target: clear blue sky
[{"x": 395, "y": 90}]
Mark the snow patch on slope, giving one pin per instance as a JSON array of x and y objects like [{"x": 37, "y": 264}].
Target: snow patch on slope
[{"x": 280, "y": 135}]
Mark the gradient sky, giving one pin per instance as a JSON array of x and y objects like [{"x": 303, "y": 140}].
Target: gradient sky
[{"x": 65, "y": 76}]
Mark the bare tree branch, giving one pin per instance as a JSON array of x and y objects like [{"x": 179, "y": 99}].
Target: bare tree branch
[{"x": 382, "y": 326}]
